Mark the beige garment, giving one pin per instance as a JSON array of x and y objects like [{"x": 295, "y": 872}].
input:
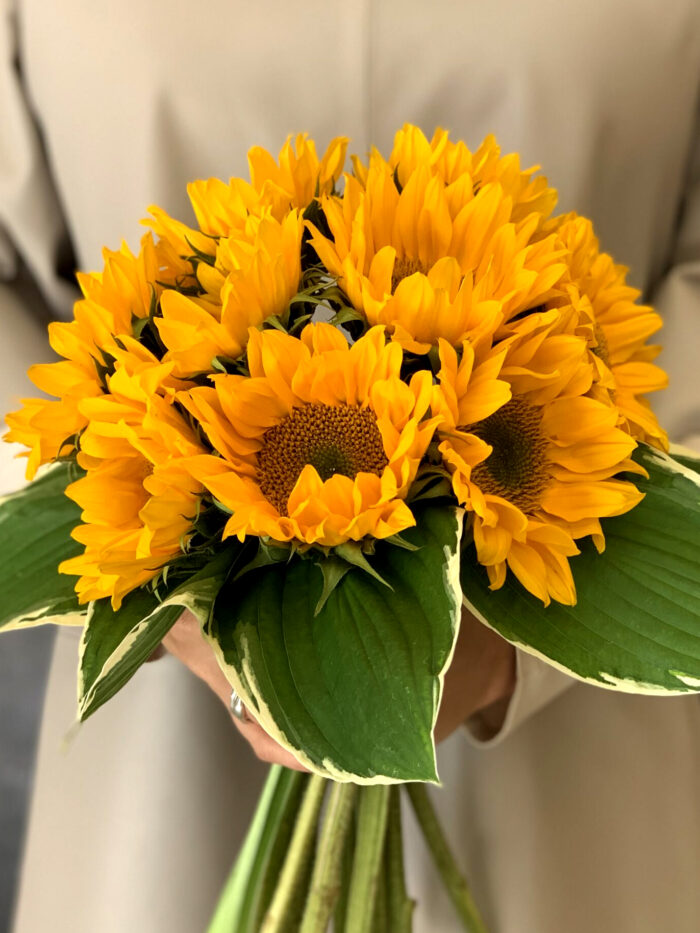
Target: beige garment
[{"x": 584, "y": 811}]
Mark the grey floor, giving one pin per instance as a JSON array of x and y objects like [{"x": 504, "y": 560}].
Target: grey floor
[{"x": 24, "y": 663}]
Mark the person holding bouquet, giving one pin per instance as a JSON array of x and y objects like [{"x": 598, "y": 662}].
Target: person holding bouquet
[{"x": 547, "y": 781}]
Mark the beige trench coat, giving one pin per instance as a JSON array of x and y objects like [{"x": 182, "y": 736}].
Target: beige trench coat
[{"x": 583, "y": 812}]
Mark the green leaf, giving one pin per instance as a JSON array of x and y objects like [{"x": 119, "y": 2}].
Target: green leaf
[
  {"x": 354, "y": 690},
  {"x": 115, "y": 644},
  {"x": 686, "y": 457},
  {"x": 636, "y": 625},
  {"x": 35, "y": 527}
]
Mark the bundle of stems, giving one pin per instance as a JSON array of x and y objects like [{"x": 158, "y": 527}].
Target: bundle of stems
[{"x": 321, "y": 852}]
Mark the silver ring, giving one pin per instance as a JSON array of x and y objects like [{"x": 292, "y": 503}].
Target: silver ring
[{"x": 238, "y": 710}]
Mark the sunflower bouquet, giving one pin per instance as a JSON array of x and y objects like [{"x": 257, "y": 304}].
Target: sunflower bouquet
[{"x": 323, "y": 419}]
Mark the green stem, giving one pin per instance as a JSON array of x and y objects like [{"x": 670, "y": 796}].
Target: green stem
[
  {"x": 281, "y": 911},
  {"x": 341, "y": 907},
  {"x": 456, "y": 884},
  {"x": 380, "y": 923},
  {"x": 326, "y": 878},
  {"x": 371, "y": 831},
  {"x": 400, "y": 906},
  {"x": 244, "y": 894}
]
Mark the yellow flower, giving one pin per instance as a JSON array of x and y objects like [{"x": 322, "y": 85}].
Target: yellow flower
[
  {"x": 222, "y": 208},
  {"x": 321, "y": 444},
  {"x": 254, "y": 276},
  {"x": 178, "y": 245},
  {"x": 46, "y": 427},
  {"x": 138, "y": 499},
  {"x": 432, "y": 260},
  {"x": 137, "y": 379},
  {"x": 112, "y": 300},
  {"x": 539, "y": 471},
  {"x": 250, "y": 216},
  {"x": 454, "y": 162},
  {"x": 300, "y": 175},
  {"x": 620, "y": 328}
]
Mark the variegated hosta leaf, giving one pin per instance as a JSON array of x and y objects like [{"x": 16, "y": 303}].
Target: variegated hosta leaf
[
  {"x": 686, "y": 457},
  {"x": 115, "y": 644},
  {"x": 35, "y": 527},
  {"x": 354, "y": 690},
  {"x": 636, "y": 625}
]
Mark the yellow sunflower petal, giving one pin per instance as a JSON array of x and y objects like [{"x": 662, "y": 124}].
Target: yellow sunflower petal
[
  {"x": 576, "y": 501},
  {"x": 321, "y": 443}
]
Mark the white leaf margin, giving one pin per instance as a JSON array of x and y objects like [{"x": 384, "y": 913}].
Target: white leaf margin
[
  {"x": 188, "y": 596},
  {"x": 245, "y": 685},
  {"x": 606, "y": 680},
  {"x": 45, "y": 615}
]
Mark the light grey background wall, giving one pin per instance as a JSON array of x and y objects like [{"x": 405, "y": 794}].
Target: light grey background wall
[
  {"x": 25, "y": 655},
  {"x": 24, "y": 661}
]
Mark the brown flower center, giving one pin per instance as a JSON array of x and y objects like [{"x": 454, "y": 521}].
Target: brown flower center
[
  {"x": 334, "y": 439},
  {"x": 516, "y": 468},
  {"x": 403, "y": 267}
]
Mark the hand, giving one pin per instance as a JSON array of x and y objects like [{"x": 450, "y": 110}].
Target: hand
[
  {"x": 481, "y": 678},
  {"x": 186, "y": 642}
]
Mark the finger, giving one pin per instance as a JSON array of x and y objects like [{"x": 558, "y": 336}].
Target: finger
[
  {"x": 182, "y": 634},
  {"x": 265, "y": 747},
  {"x": 184, "y": 640}
]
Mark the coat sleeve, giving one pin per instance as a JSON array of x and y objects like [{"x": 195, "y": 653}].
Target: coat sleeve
[
  {"x": 34, "y": 244},
  {"x": 536, "y": 684},
  {"x": 32, "y": 228},
  {"x": 677, "y": 299}
]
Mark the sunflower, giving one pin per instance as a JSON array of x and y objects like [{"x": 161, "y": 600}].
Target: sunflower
[
  {"x": 292, "y": 182},
  {"x": 619, "y": 328},
  {"x": 300, "y": 176},
  {"x": 539, "y": 471},
  {"x": 253, "y": 276},
  {"x": 136, "y": 378},
  {"x": 460, "y": 168},
  {"x": 138, "y": 500},
  {"x": 430, "y": 260},
  {"x": 112, "y": 301},
  {"x": 321, "y": 444},
  {"x": 235, "y": 219},
  {"x": 222, "y": 208}
]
